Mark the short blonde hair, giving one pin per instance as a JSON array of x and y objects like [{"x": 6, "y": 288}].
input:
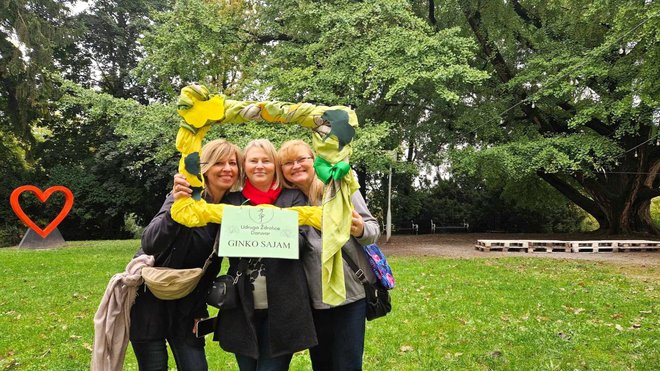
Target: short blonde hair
[
  {"x": 288, "y": 151},
  {"x": 218, "y": 150},
  {"x": 269, "y": 148}
]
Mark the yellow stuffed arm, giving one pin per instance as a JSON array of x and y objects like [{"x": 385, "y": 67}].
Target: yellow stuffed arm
[{"x": 191, "y": 213}]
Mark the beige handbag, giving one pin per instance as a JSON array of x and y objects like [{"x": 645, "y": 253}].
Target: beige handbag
[{"x": 170, "y": 283}]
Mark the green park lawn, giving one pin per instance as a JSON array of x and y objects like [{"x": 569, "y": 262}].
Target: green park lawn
[{"x": 479, "y": 313}]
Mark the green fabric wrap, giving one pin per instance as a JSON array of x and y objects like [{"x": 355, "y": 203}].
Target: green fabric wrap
[{"x": 326, "y": 171}]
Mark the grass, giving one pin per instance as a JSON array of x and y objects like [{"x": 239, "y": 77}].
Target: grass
[{"x": 506, "y": 313}]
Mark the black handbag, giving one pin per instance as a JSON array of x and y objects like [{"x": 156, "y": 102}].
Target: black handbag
[
  {"x": 378, "y": 298},
  {"x": 223, "y": 292}
]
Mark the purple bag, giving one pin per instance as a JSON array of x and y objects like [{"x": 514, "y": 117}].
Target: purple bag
[{"x": 379, "y": 265}]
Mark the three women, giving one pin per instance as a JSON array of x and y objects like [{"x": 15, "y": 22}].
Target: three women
[{"x": 274, "y": 318}]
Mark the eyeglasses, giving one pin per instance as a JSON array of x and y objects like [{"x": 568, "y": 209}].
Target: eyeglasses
[{"x": 296, "y": 162}]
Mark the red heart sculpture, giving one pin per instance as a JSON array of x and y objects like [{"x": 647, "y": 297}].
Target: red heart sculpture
[{"x": 42, "y": 196}]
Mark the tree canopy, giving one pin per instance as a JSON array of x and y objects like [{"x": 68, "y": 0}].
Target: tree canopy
[
  {"x": 502, "y": 114},
  {"x": 573, "y": 99}
]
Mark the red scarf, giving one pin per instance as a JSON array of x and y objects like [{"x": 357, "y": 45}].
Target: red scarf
[{"x": 258, "y": 197}]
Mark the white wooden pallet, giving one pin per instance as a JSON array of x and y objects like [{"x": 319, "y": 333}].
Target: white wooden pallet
[
  {"x": 637, "y": 245},
  {"x": 501, "y": 245},
  {"x": 595, "y": 246},
  {"x": 548, "y": 246}
]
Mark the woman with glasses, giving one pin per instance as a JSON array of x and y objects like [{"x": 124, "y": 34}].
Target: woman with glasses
[{"x": 340, "y": 329}]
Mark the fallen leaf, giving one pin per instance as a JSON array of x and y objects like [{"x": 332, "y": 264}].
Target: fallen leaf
[
  {"x": 618, "y": 327},
  {"x": 406, "y": 348},
  {"x": 617, "y": 316}
]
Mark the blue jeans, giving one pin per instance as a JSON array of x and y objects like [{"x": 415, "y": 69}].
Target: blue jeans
[
  {"x": 340, "y": 332},
  {"x": 152, "y": 355},
  {"x": 264, "y": 363}
]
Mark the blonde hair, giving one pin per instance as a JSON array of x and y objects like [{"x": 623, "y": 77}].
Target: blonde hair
[
  {"x": 217, "y": 150},
  {"x": 288, "y": 152},
  {"x": 270, "y": 151}
]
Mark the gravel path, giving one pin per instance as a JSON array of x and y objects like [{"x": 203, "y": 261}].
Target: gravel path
[{"x": 461, "y": 245}]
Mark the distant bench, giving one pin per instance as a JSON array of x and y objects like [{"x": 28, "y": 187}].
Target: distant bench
[
  {"x": 447, "y": 228},
  {"x": 414, "y": 228}
]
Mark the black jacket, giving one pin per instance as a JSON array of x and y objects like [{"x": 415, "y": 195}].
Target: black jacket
[
  {"x": 291, "y": 327},
  {"x": 175, "y": 246}
]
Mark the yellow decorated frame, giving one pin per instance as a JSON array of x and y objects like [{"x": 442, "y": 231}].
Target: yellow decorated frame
[{"x": 332, "y": 131}]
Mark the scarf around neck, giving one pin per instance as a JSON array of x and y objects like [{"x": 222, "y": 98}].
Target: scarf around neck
[{"x": 258, "y": 197}]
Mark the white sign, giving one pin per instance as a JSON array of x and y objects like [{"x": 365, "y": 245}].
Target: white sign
[{"x": 258, "y": 232}]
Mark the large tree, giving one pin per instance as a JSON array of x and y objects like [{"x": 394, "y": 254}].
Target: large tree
[
  {"x": 573, "y": 99},
  {"x": 401, "y": 76},
  {"x": 104, "y": 55},
  {"x": 30, "y": 33},
  {"x": 377, "y": 57},
  {"x": 116, "y": 155}
]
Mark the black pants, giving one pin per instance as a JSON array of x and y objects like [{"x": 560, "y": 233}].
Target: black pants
[{"x": 340, "y": 332}]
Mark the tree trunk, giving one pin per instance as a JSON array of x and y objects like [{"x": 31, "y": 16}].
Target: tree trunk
[
  {"x": 362, "y": 179},
  {"x": 623, "y": 201},
  {"x": 633, "y": 219}
]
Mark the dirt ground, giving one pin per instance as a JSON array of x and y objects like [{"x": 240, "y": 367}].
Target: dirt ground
[{"x": 461, "y": 245}]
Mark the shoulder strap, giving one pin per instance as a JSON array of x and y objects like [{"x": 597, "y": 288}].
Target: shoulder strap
[
  {"x": 214, "y": 251},
  {"x": 359, "y": 274},
  {"x": 242, "y": 263}
]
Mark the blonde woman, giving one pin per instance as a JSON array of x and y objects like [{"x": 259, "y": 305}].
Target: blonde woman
[
  {"x": 340, "y": 329},
  {"x": 274, "y": 318},
  {"x": 156, "y": 322}
]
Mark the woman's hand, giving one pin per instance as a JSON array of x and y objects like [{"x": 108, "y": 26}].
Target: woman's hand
[
  {"x": 181, "y": 187},
  {"x": 357, "y": 225},
  {"x": 195, "y": 325}
]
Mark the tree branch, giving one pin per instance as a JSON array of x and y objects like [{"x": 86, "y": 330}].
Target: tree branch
[
  {"x": 653, "y": 173},
  {"x": 488, "y": 47},
  {"x": 572, "y": 194},
  {"x": 646, "y": 193},
  {"x": 599, "y": 127},
  {"x": 501, "y": 67},
  {"x": 264, "y": 39},
  {"x": 432, "y": 19},
  {"x": 525, "y": 15}
]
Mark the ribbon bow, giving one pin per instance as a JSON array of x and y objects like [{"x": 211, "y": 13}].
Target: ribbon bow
[{"x": 325, "y": 170}]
